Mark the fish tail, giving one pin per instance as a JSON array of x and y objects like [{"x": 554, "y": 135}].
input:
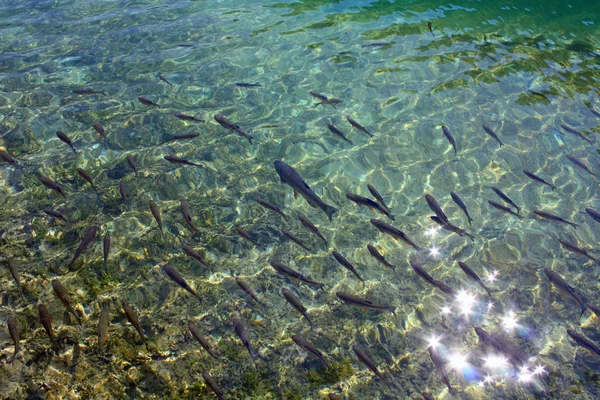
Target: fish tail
[
  {"x": 552, "y": 187},
  {"x": 392, "y": 217},
  {"x": 104, "y": 92},
  {"x": 250, "y": 138},
  {"x": 470, "y": 220},
  {"x": 330, "y": 210}
]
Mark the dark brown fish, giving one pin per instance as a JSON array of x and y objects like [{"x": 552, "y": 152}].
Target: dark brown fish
[
  {"x": 202, "y": 340},
  {"x": 583, "y": 342},
  {"x": 439, "y": 366},
  {"x": 193, "y": 253},
  {"x": 296, "y": 303},
  {"x": 62, "y": 295},
  {"x": 156, "y": 212},
  {"x": 100, "y": 129},
  {"x": 503, "y": 208},
  {"x": 270, "y": 206},
  {"x": 306, "y": 345},
  {"x": 46, "y": 320},
  {"x": 581, "y": 165},
  {"x": 190, "y": 118},
  {"x": 49, "y": 183},
  {"x": 187, "y": 216},
  {"x": 502, "y": 345},
  {"x": 379, "y": 257},
  {"x": 358, "y": 126},
  {"x": 88, "y": 91},
  {"x": 85, "y": 242},
  {"x": 248, "y": 85},
  {"x": 377, "y": 196},
  {"x": 362, "y": 356},
  {"x": 430, "y": 27},
  {"x": 587, "y": 138},
  {"x": 56, "y": 214},
  {"x": 450, "y": 227},
  {"x": 147, "y": 102},
  {"x": 504, "y": 197},
  {"x": 178, "y": 279},
  {"x": 241, "y": 330},
  {"x": 131, "y": 163},
  {"x": 162, "y": 78},
  {"x": 576, "y": 249},
  {"x": 183, "y": 137},
  {"x": 213, "y": 385},
  {"x": 564, "y": 287},
  {"x": 462, "y": 205},
  {"x": 450, "y": 138},
  {"x": 336, "y": 131},
  {"x": 435, "y": 207},
  {"x": 307, "y": 223},
  {"x": 346, "y": 264},
  {"x": 86, "y": 177},
  {"x": 246, "y": 288},
  {"x": 14, "y": 330},
  {"x": 538, "y": 179},
  {"x": 471, "y": 274},
  {"x": 106, "y": 248},
  {"x": 134, "y": 320},
  {"x": 362, "y": 302},
  {"x": 64, "y": 138},
  {"x": 103, "y": 322},
  {"x": 393, "y": 232},
  {"x": 295, "y": 275},
  {"x": 553, "y": 217},
  {"x": 423, "y": 274},
  {"x": 177, "y": 160},
  {"x": 230, "y": 125},
  {"x": 12, "y": 267},
  {"x": 593, "y": 213},
  {"x": 8, "y": 158},
  {"x": 123, "y": 191},
  {"x": 242, "y": 232},
  {"x": 294, "y": 239},
  {"x": 324, "y": 99},
  {"x": 493, "y": 134},
  {"x": 366, "y": 202}
]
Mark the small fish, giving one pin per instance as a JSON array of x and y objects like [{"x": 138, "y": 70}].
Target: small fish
[
  {"x": 49, "y": 183},
  {"x": 377, "y": 196},
  {"x": 178, "y": 279},
  {"x": 100, "y": 129},
  {"x": 439, "y": 366},
  {"x": 503, "y": 208},
  {"x": 134, "y": 320},
  {"x": 362, "y": 302},
  {"x": 576, "y": 249},
  {"x": 187, "y": 215},
  {"x": 14, "y": 330},
  {"x": 103, "y": 322},
  {"x": 8, "y": 158},
  {"x": 471, "y": 274},
  {"x": 336, "y": 131},
  {"x": 423, "y": 274},
  {"x": 56, "y": 214},
  {"x": 123, "y": 191},
  {"x": 86, "y": 177},
  {"x": 537, "y": 178},
  {"x": 583, "y": 342},
  {"x": 393, "y": 232},
  {"x": 593, "y": 213},
  {"x": 435, "y": 207},
  {"x": 85, "y": 242},
  {"x": 183, "y": 137},
  {"x": 366, "y": 202},
  {"x": 62, "y": 295},
  {"x": 462, "y": 205},
  {"x": 285, "y": 270},
  {"x": 307, "y": 223},
  {"x": 248, "y": 85},
  {"x": 587, "y": 138},
  {"x": 177, "y": 160},
  {"x": 346, "y": 264},
  {"x": 89, "y": 91},
  {"x": 185, "y": 117},
  {"x": 106, "y": 248},
  {"x": 450, "y": 227},
  {"x": 430, "y": 27},
  {"x": 324, "y": 99},
  {"x": 504, "y": 197},
  {"x": 202, "y": 340},
  {"x": 162, "y": 78},
  {"x": 270, "y": 206},
  {"x": 296, "y": 303},
  {"x": 193, "y": 253},
  {"x": 131, "y": 163},
  {"x": 450, "y": 138},
  {"x": 377, "y": 255},
  {"x": 12, "y": 267},
  {"x": 358, "y": 126},
  {"x": 288, "y": 175},
  {"x": 246, "y": 288},
  {"x": 553, "y": 217},
  {"x": 147, "y": 102},
  {"x": 213, "y": 385},
  {"x": 294, "y": 239},
  {"x": 376, "y": 44},
  {"x": 581, "y": 165},
  {"x": 243, "y": 233},
  {"x": 46, "y": 320},
  {"x": 156, "y": 212},
  {"x": 564, "y": 287},
  {"x": 242, "y": 331},
  {"x": 306, "y": 345},
  {"x": 493, "y": 134},
  {"x": 362, "y": 356},
  {"x": 64, "y": 138},
  {"x": 496, "y": 341},
  {"x": 227, "y": 124}
]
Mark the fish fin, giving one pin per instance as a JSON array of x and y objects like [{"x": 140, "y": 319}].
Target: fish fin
[{"x": 330, "y": 211}]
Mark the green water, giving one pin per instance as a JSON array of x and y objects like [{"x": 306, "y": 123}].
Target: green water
[{"x": 520, "y": 69}]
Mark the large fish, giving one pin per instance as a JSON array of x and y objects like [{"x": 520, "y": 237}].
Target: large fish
[
  {"x": 584, "y": 342},
  {"x": 178, "y": 279},
  {"x": 64, "y": 138},
  {"x": 243, "y": 233},
  {"x": 83, "y": 173},
  {"x": 423, "y": 274},
  {"x": 564, "y": 287},
  {"x": 393, "y": 232},
  {"x": 202, "y": 340},
  {"x": 106, "y": 248},
  {"x": 246, "y": 288},
  {"x": 471, "y": 274},
  {"x": 135, "y": 321},
  {"x": 362, "y": 356},
  {"x": 306, "y": 345},
  {"x": 345, "y": 263},
  {"x": 379, "y": 257},
  {"x": 49, "y": 183},
  {"x": 295, "y": 275},
  {"x": 62, "y": 295},
  {"x": 439, "y": 366},
  {"x": 339, "y": 133},
  {"x": 366, "y": 202},
  {"x": 156, "y": 213},
  {"x": 187, "y": 216},
  {"x": 296, "y": 303},
  {"x": 359, "y": 126},
  {"x": 493, "y": 134},
  {"x": 227, "y": 124},
  {"x": 46, "y": 320},
  {"x": 576, "y": 249},
  {"x": 213, "y": 385},
  {"x": 435, "y": 207},
  {"x": 242, "y": 331},
  {"x": 85, "y": 242},
  {"x": 587, "y": 138},
  {"x": 552, "y": 217},
  {"x": 362, "y": 302}
]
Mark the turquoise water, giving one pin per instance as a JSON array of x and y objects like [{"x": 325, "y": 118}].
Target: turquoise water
[{"x": 520, "y": 69}]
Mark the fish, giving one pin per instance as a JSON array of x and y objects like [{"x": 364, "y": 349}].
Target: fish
[
  {"x": 123, "y": 191},
  {"x": 242, "y": 331},
  {"x": 89, "y": 91},
  {"x": 14, "y": 330},
  {"x": 46, "y": 320},
  {"x": 183, "y": 137},
  {"x": 56, "y": 214},
  {"x": 581, "y": 165},
  {"x": 8, "y": 158},
  {"x": 213, "y": 385},
  {"x": 537, "y": 178},
  {"x": 177, "y": 160},
  {"x": 503, "y": 208},
  {"x": 589, "y": 139},
  {"x": 430, "y": 27},
  {"x": 439, "y": 366},
  {"x": 106, "y": 248},
  {"x": 427, "y": 396},
  {"x": 435, "y": 207},
  {"x": 202, "y": 340},
  {"x": 450, "y": 138},
  {"x": 62, "y": 295},
  {"x": 131, "y": 163},
  {"x": 187, "y": 216},
  {"x": 103, "y": 322},
  {"x": 185, "y": 117},
  {"x": 12, "y": 268},
  {"x": 178, "y": 279},
  {"x": 86, "y": 177},
  {"x": 377, "y": 255},
  {"x": 504, "y": 197},
  {"x": 336, "y": 131},
  {"x": 359, "y": 126},
  {"x": 134, "y": 320},
  {"x": 362, "y": 356},
  {"x": 593, "y": 213},
  {"x": 270, "y": 206},
  {"x": 471, "y": 274},
  {"x": 162, "y": 78},
  {"x": 248, "y": 85},
  {"x": 193, "y": 253},
  {"x": 576, "y": 249},
  {"x": 85, "y": 242},
  {"x": 246, "y": 288},
  {"x": 285, "y": 270},
  {"x": 377, "y": 196},
  {"x": 493, "y": 134},
  {"x": 376, "y": 44},
  {"x": 64, "y": 138},
  {"x": 450, "y": 227},
  {"x": 583, "y": 342},
  {"x": 227, "y": 124},
  {"x": 510, "y": 351},
  {"x": 564, "y": 287},
  {"x": 324, "y": 99},
  {"x": 362, "y": 302},
  {"x": 294, "y": 239},
  {"x": 246, "y": 236},
  {"x": 288, "y": 175},
  {"x": 553, "y": 217},
  {"x": 147, "y": 102},
  {"x": 366, "y": 202},
  {"x": 296, "y": 303},
  {"x": 100, "y": 129},
  {"x": 423, "y": 274},
  {"x": 462, "y": 205},
  {"x": 306, "y": 345},
  {"x": 156, "y": 213},
  {"x": 345, "y": 263},
  {"x": 393, "y": 232},
  {"x": 49, "y": 183},
  {"x": 308, "y": 224}
]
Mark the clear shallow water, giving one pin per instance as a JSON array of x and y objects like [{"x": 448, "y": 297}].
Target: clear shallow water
[{"x": 477, "y": 68}]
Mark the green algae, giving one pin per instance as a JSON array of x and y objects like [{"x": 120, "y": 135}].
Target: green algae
[{"x": 333, "y": 373}]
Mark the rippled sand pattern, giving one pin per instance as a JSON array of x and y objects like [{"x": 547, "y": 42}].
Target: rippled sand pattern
[{"x": 520, "y": 71}]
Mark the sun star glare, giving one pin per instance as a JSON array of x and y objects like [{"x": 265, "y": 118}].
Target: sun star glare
[
  {"x": 432, "y": 231},
  {"x": 434, "y": 251},
  {"x": 509, "y": 322}
]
